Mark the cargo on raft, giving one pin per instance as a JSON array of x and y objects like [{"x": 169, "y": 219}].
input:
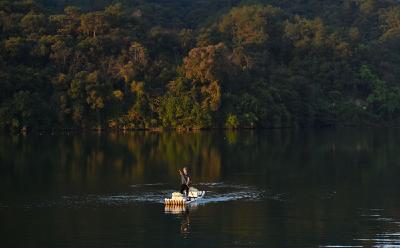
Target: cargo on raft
[{"x": 182, "y": 199}]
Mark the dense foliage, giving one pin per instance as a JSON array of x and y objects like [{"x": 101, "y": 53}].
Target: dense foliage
[{"x": 198, "y": 63}]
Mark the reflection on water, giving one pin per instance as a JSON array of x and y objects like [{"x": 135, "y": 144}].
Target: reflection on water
[
  {"x": 379, "y": 230},
  {"x": 183, "y": 211},
  {"x": 80, "y": 160},
  {"x": 388, "y": 232},
  {"x": 185, "y": 223},
  {"x": 275, "y": 188}
]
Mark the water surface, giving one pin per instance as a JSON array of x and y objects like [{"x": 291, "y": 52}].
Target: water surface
[{"x": 275, "y": 188}]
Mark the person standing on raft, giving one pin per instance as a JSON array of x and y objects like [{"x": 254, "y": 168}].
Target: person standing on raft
[{"x": 185, "y": 180}]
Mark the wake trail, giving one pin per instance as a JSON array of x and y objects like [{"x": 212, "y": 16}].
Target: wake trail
[{"x": 216, "y": 192}]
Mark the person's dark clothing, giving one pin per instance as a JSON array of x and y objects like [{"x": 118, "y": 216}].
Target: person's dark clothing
[
  {"x": 184, "y": 178},
  {"x": 184, "y": 187}
]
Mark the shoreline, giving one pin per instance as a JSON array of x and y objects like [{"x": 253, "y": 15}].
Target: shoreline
[{"x": 184, "y": 130}]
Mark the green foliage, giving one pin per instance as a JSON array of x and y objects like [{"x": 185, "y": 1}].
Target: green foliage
[
  {"x": 24, "y": 110},
  {"x": 383, "y": 101},
  {"x": 180, "y": 107},
  {"x": 232, "y": 122},
  {"x": 183, "y": 112},
  {"x": 199, "y": 64}
]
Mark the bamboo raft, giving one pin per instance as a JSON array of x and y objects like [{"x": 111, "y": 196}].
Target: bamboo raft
[
  {"x": 175, "y": 201},
  {"x": 175, "y": 209},
  {"x": 179, "y": 199}
]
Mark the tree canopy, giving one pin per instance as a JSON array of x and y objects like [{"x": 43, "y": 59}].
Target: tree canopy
[{"x": 198, "y": 63}]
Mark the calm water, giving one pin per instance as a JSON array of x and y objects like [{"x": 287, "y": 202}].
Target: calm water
[{"x": 321, "y": 188}]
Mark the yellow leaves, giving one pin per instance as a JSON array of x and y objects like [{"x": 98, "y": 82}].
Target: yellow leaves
[
  {"x": 66, "y": 23},
  {"x": 232, "y": 122},
  {"x": 209, "y": 66},
  {"x": 137, "y": 87},
  {"x": 391, "y": 17},
  {"x": 77, "y": 113},
  {"x": 138, "y": 53},
  {"x": 60, "y": 79},
  {"x": 132, "y": 63},
  {"x": 213, "y": 95},
  {"x": 126, "y": 71},
  {"x": 33, "y": 22},
  {"x": 94, "y": 100},
  {"x": 367, "y": 6},
  {"x": 92, "y": 77},
  {"x": 115, "y": 10},
  {"x": 343, "y": 50},
  {"x": 14, "y": 46},
  {"x": 205, "y": 64},
  {"x": 133, "y": 115},
  {"x": 248, "y": 24},
  {"x": 118, "y": 94},
  {"x": 242, "y": 58},
  {"x": 93, "y": 23},
  {"x": 187, "y": 38},
  {"x": 112, "y": 124},
  {"x": 305, "y": 33},
  {"x": 72, "y": 11},
  {"x": 60, "y": 51}
]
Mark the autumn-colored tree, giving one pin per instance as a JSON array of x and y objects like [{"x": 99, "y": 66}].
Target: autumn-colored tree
[{"x": 248, "y": 24}]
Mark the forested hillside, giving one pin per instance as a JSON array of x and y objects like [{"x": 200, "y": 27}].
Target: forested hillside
[{"x": 198, "y": 63}]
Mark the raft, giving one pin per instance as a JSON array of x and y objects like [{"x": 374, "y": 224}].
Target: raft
[
  {"x": 178, "y": 199},
  {"x": 175, "y": 209}
]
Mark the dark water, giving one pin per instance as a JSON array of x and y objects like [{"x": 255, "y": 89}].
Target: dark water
[{"x": 286, "y": 188}]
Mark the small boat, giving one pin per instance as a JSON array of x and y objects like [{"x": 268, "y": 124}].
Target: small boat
[{"x": 182, "y": 199}]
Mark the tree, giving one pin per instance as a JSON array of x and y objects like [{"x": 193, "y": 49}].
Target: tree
[
  {"x": 15, "y": 48},
  {"x": 305, "y": 33},
  {"x": 208, "y": 64},
  {"x": 24, "y": 110},
  {"x": 93, "y": 23},
  {"x": 248, "y": 24},
  {"x": 34, "y": 23},
  {"x": 141, "y": 64}
]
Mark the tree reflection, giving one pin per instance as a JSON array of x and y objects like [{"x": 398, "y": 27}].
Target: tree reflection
[{"x": 92, "y": 160}]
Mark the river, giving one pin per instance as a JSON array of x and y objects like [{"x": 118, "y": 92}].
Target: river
[{"x": 267, "y": 188}]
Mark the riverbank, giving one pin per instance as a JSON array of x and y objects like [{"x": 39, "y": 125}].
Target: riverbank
[{"x": 187, "y": 130}]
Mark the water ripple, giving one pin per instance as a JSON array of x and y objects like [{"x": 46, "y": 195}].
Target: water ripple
[
  {"x": 386, "y": 238},
  {"x": 216, "y": 192}
]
